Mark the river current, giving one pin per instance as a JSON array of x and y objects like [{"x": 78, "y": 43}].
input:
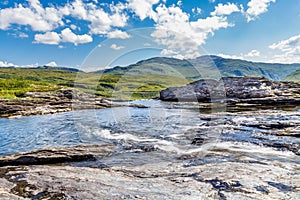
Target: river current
[{"x": 164, "y": 131}]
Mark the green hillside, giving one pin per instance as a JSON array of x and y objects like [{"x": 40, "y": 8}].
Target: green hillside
[
  {"x": 205, "y": 67},
  {"x": 294, "y": 76},
  {"x": 141, "y": 80},
  {"x": 14, "y": 82}
]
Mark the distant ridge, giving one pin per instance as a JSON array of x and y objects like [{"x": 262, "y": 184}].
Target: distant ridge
[
  {"x": 47, "y": 68},
  {"x": 58, "y": 68},
  {"x": 208, "y": 66}
]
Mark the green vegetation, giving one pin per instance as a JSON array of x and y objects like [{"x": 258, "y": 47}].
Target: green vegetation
[
  {"x": 14, "y": 82},
  {"x": 206, "y": 67},
  {"x": 295, "y": 76},
  {"x": 142, "y": 80}
]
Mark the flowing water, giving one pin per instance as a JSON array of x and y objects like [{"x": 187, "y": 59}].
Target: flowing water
[
  {"x": 164, "y": 131},
  {"x": 167, "y": 151}
]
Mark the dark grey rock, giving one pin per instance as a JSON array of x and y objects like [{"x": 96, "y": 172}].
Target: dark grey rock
[{"x": 233, "y": 90}]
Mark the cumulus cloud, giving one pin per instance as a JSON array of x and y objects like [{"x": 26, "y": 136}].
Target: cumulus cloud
[
  {"x": 51, "y": 64},
  {"x": 118, "y": 34},
  {"x": 287, "y": 45},
  {"x": 143, "y": 8},
  {"x": 174, "y": 30},
  {"x": 288, "y": 50},
  {"x": 66, "y": 36},
  {"x": 47, "y": 38},
  {"x": 225, "y": 9},
  {"x": 6, "y": 64},
  {"x": 23, "y": 35},
  {"x": 116, "y": 47},
  {"x": 253, "y": 53},
  {"x": 231, "y": 56},
  {"x": 257, "y": 7},
  {"x": 196, "y": 10},
  {"x": 35, "y": 16},
  {"x": 101, "y": 22},
  {"x": 48, "y": 19}
]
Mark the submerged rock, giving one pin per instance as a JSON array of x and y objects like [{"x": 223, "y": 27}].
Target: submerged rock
[{"x": 234, "y": 90}]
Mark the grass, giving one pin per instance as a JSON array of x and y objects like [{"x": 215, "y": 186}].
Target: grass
[
  {"x": 294, "y": 76},
  {"x": 14, "y": 82}
]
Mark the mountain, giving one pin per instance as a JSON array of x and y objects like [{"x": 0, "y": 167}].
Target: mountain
[
  {"x": 58, "y": 68},
  {"x": 295, "y": 76},
  {"x": 205, "y": 67},
  {"x": 69, "y": 69}
]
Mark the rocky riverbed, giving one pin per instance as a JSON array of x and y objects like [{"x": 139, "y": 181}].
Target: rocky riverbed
[
  {"x": 242, "y": 142},
  {"x": 226, "y": 155}
]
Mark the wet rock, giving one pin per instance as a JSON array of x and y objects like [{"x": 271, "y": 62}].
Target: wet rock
[
  {"x": 161, "y": 180},
  {"x": 55, "y": 156},
  {"x": 262, "y": 189},
  {"x": 281, "y": 186},
  {"x": 236, "y": 90}
]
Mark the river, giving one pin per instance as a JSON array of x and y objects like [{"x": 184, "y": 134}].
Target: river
[{"x": 177, "y": 133}]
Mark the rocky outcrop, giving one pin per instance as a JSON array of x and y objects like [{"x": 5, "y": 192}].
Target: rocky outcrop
[
  {"x": 225, "y": 180},
  {"x": 254, "y": 90},
  {"x": 57, "y": 155},
  {"x": 63, "y": 100}
]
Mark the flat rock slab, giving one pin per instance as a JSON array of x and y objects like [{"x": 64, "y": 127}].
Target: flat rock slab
[
  {"x": 57, "y": 155},
  {"x": 228, "y": 180}
]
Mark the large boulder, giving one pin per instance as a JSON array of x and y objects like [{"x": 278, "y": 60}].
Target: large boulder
[{"x": 237, "y": 88}]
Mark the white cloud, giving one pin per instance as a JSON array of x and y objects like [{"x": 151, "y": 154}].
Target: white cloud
[
  {"x": 118, "y": 34},
  {"x": 116, "y": 47},
  {"x": 174, "y": 30},
  {"x": 225, "y": 9},
  {"x": 73, "y": 27},
  {"x": 23, "y": 35},
  {"x": 196, "y": 10},
  {"x": 143, "y": 8},
  {"x": 253, "y": 53},
  {"x": 287, "y": 45},
  {"x": 168, "y": 52},
  {"x": 51, "y": 64},
  {"x": 47, "y": 38},
  {"x": 6, "y": 64},
  {"x": 48, "y": 19},
  {"x": 179, "y": 3},
  {"x": 35, "y": 16},
  {"x": 68, "y": 36},
  {"x": 231, "y": 56},
  {"x": 287, "y": 51},
  {"x": 257, "y": 7}
]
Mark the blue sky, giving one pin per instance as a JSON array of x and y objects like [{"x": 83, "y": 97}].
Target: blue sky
[{"x": 92, "y": 34}]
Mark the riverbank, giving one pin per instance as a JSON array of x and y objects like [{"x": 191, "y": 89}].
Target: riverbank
[{"x": 62, "y": 100}]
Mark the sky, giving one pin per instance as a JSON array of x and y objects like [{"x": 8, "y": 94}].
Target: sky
[{"x": 97, "y": 34}]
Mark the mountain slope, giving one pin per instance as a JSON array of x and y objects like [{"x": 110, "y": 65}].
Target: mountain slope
[
  {"x": 205, "y": 67},
  {"x": 295, "y": 76}
]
